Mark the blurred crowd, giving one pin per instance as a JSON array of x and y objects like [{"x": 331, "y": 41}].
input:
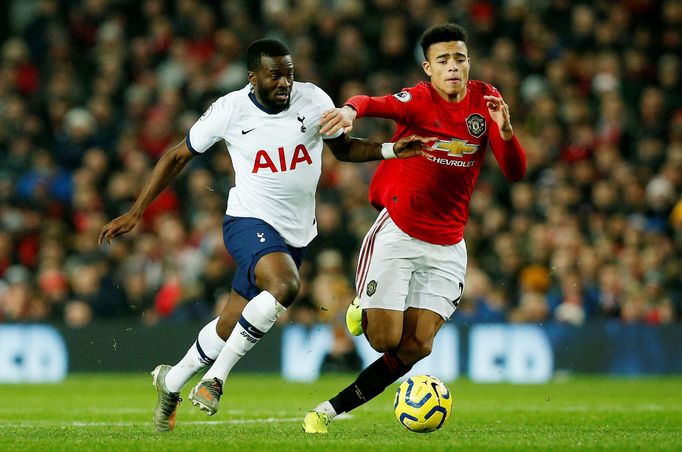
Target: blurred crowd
[{"x": 93, "y": 91}]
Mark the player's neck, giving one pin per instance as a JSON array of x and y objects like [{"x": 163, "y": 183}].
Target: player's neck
[
  {"x": 451, "y": 98},
  {"x": 267, "y": 109}
]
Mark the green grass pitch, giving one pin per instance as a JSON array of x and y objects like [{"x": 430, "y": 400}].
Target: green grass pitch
[{"x": 262, "y": 412}]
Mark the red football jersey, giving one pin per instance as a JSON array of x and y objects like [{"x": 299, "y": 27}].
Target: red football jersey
[{"x": 428, "y": 197}]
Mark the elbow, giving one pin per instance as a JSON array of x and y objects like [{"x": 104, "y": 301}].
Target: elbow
[
  {"x": 516, "y": 173},
  {"x": 175, "y": 159},
  {"x": 342, "y": 157},
  {"x": 517, "y": 176},
  {"x": 512, "y": 159},
  {"x": 340, "y": 153},
  {"x": 517, "y": 168}
]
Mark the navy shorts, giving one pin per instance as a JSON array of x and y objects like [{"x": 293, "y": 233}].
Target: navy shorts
[{"x": 247, "y": 240}]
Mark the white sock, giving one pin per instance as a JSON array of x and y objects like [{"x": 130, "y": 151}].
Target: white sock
[
  {"x": 326, "y": 408},
  {"x": 257, "y": 318},
  {"x": 201, "y": 354}
]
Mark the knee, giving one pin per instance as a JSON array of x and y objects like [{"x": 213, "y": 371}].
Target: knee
[
  {"x": 284, "y": 288},
  {"x": 412, "y": 351},
  {"x": 382, "y": 341}
]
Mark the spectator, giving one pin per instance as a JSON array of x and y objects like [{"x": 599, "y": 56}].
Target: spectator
[{"x": 91, "y": 93}]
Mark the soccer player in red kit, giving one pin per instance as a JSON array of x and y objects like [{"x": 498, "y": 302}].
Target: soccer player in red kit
[{"x": 412, "y": 263}]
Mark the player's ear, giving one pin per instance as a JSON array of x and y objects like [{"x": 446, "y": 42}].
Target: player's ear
[
  {"x": 252, "y": 79},
  {"x": 427, "y": 68}
]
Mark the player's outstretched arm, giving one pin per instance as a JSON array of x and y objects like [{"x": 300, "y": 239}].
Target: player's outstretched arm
[
  {"x": 392, "y": 107},
  {"x": 165, "y": 170},
  {"x": 347, "y": 149}
]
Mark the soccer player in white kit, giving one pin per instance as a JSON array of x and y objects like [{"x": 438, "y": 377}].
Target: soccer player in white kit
[{"x": 272, "y": 131}]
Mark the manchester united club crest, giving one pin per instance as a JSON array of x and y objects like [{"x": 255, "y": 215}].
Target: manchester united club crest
[
  {"x": 476, "y": 125},
  {"x": 371, "y": 288}
]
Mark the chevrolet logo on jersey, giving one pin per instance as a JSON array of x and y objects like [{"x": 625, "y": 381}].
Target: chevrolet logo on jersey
[{"x": 455, "y": 147}]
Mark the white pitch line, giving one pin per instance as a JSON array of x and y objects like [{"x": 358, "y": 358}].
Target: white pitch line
[
  {"x": 122, "y": 410},
  {"x": 269, "y": 420}
]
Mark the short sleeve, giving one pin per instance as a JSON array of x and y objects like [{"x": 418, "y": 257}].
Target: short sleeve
[
  {"x": 210, "y": 128},
  {"x": 325, "y": 103}
]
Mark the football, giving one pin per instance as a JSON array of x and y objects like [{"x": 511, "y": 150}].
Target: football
[{"x": 422, "y": 403}]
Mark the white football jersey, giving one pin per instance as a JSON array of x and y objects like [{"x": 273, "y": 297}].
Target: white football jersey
[{"x": 277, "y": 158}]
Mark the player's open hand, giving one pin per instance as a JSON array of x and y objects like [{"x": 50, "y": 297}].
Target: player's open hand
[
  {"x": 337, "y": 119},
  {"x": 412, "y": 146},
  {"x": 117, "y": 226},
  {"x": 499, "y": 111}
]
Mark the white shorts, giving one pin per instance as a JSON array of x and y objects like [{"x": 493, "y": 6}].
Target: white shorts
[{"x": 397, "y": 271}]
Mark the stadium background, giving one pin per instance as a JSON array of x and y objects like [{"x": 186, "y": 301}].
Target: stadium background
[{"x": 93, "y": 91}]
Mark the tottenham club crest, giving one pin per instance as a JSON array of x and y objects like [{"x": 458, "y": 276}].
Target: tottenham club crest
[
  {"x": 403, "y": 96},
  {"x": 476, "y": 125},
  {"x": 301, "y": 118},
  {"x": 371, "y": 288}
]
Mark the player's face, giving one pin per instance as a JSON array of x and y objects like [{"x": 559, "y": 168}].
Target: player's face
[
  {"x": 272, "y": 81},
  {"x": 447, "y": 64}
]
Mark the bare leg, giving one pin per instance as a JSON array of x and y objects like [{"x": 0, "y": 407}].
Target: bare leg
[
  {"x": 230, "y": 315},
  {"x": 419, "y": 329}
]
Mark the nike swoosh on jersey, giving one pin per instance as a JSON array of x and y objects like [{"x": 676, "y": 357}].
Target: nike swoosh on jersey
[{"x": 244, "y": 132}]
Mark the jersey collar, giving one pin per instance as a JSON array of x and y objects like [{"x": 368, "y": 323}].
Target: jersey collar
[
  {"x": 450, "y": 105},
  {"x": 262, "y": 107}
]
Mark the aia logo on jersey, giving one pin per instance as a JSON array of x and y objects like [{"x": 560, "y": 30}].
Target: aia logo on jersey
[
  {"x": 455, "y": 147},
  {"x": 476, "y": 125},
  {"x": 265, "y": 161}
]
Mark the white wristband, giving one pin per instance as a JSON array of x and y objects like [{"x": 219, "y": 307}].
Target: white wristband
[{"x": 387, "y": 151}]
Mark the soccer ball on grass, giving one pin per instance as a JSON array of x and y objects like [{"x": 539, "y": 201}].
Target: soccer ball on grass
[{"x": 422, "y": 403}]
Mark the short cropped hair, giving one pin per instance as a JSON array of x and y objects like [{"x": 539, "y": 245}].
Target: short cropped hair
[
  {"x": 264, "y": 47},
  {"x": 442, "y": 33}
]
